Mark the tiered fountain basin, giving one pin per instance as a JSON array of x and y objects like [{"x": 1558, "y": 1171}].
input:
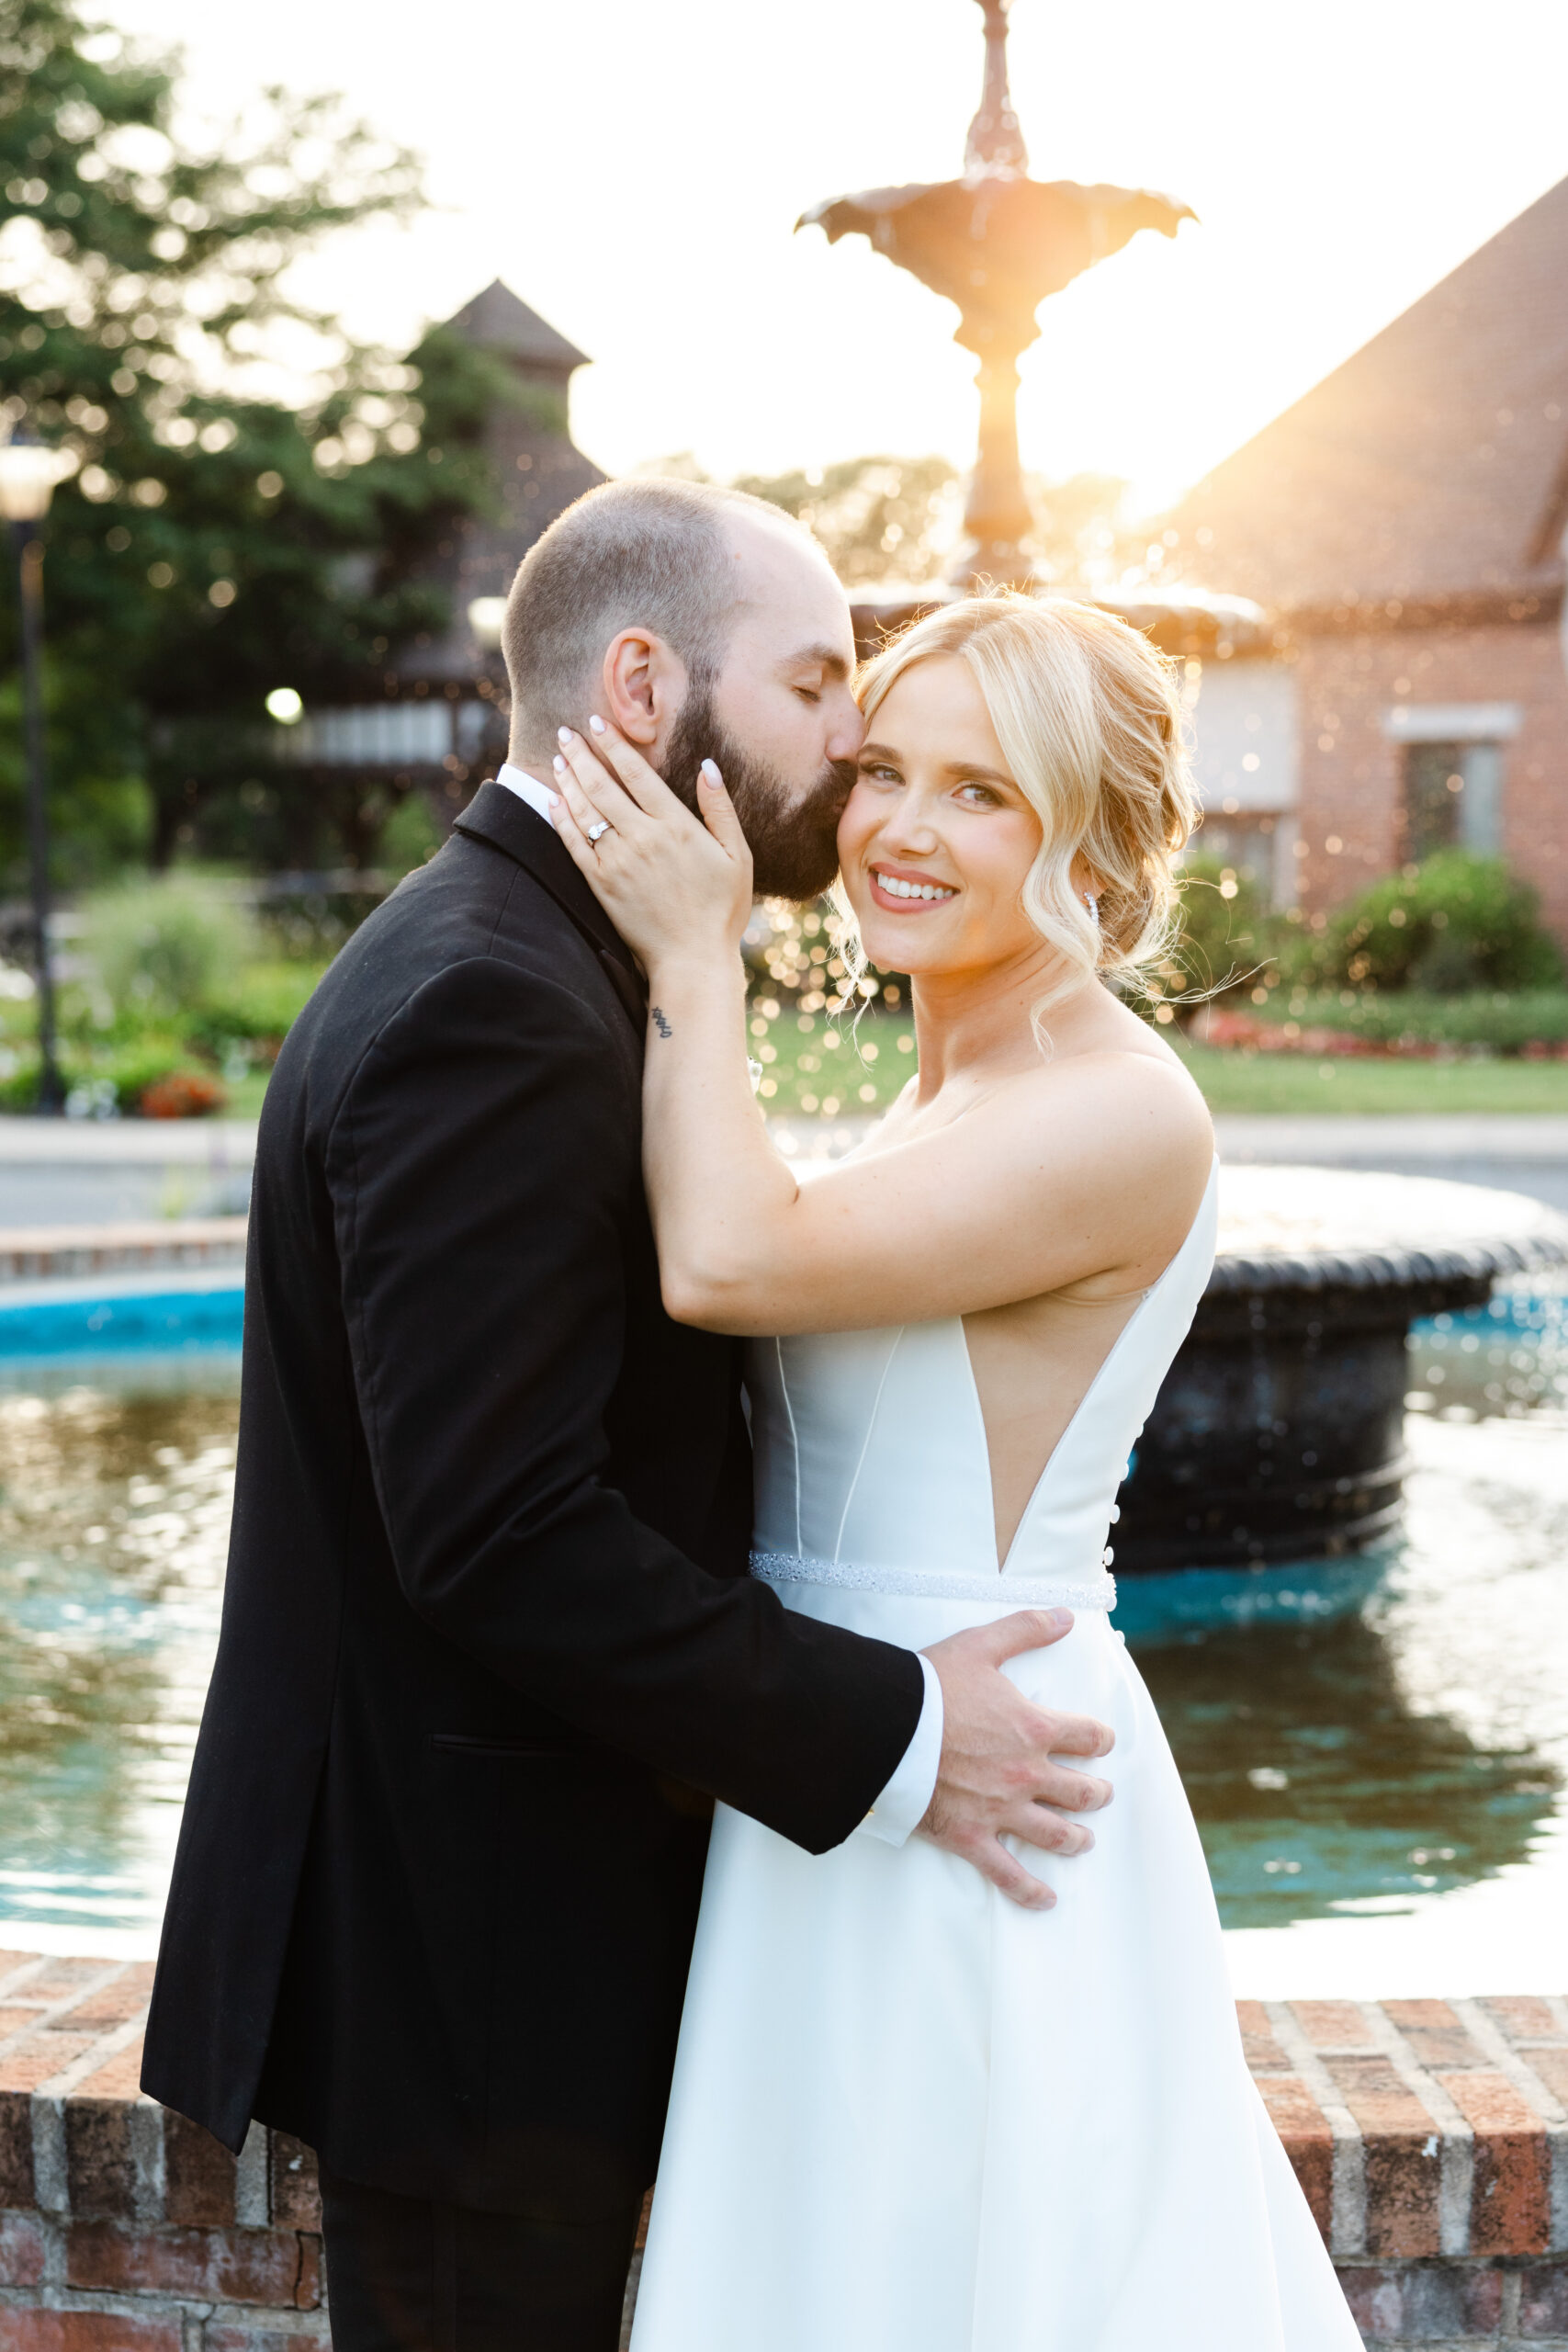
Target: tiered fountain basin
[{"x": 1279, "y": 1432}]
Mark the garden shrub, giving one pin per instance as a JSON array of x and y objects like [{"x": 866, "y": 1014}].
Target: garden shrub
[
  {"x": 1456, "y": 923},
  {"x": 1511, "y": 1021},
  {"x": 253, "y": 1012},
  {"x": 147, "y": 1080},
  {"x": 163, "y": 947},
  {"x": 182, "y": 1094},
  {"x": 1226, "y": 930}
]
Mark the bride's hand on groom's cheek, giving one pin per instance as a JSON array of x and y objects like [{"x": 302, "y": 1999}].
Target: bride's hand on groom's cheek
[{"x": 672, "y": 885}]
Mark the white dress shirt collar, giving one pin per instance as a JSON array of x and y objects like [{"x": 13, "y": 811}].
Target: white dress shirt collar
[{"x": 538, "y": 796}]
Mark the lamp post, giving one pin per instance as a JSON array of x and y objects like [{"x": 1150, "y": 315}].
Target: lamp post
[{"x": 28, "y": 475}]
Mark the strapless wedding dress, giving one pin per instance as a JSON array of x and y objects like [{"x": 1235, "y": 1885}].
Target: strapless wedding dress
[{"x": 906, "y": 2116}]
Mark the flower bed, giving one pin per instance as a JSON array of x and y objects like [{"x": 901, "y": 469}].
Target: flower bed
[{"x": 1532, "y": 1024}]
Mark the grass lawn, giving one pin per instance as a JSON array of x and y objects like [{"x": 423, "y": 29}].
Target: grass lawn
[
  {"x": 816, "y": 1066},
  {"x": 813, "y": 1065},
  {"x": 1238, "y": 1080}
]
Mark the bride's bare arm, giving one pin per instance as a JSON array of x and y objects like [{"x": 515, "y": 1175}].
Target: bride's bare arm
[{"x": 1096, "y": 1164}]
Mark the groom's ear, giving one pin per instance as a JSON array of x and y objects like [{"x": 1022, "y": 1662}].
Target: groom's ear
[{"x": 643, "y": 685}]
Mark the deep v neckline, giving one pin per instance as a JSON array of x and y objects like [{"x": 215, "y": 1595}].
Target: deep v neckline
[{"x": 1101, "y": 1372}]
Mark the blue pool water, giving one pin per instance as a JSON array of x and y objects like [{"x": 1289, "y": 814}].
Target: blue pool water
[
  {"x": 156, "y": 1315},
  {"x": 1376, "y": 1749}
]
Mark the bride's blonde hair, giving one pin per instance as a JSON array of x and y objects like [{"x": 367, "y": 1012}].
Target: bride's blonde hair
[{"x": 1088, "y": 718}]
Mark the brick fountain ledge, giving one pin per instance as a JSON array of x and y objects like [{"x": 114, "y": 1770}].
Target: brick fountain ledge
[
  {"x": 49, "y": 1252},
  {"x": 1430, "y": 2137}
]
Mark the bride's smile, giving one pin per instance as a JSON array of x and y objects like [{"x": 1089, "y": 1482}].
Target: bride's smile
[{"x": 937, "y": 839}]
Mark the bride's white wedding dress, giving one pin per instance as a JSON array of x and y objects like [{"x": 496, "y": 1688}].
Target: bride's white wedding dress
[{"x": 906, "y": 2116}]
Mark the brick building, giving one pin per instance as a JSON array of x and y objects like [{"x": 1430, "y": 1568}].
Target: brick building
[
  {"x": 436, "y": 723},
  {"x": 1403, "y": 526}
]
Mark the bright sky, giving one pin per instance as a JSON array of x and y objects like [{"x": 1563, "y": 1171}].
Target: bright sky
[{"x": 634, "y": 171}]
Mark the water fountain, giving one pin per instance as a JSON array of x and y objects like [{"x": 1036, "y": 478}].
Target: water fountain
[
  {"x": 1279, "y": 1434},
  {"x": 996, "y": 243}
]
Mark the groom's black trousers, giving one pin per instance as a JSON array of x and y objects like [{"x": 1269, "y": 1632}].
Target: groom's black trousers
[{"x": 410, "y": 2274}]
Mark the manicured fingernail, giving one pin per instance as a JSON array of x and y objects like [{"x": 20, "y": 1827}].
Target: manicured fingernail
[
  {"x": 563, "y": 734},
  {"x": 1061, "y": 1619},
  {"x": 559, "y": 764},
  {"x": 597, "y": 725},
  {"x": 710, "y": 773},
  {"x": 553, "y": 798}
]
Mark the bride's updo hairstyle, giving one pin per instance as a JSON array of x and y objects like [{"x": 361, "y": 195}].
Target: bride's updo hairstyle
[{"x": 1089, "y": 718}]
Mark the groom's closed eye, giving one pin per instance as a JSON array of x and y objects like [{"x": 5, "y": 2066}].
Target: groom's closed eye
[{"x": 809, "y": 673}]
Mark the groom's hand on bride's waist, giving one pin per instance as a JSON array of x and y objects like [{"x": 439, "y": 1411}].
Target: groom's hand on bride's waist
[{"x": 1001, "y": 1773}]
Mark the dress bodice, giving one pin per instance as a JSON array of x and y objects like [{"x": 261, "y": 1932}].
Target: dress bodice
[{"x": 872, "y": 1463}]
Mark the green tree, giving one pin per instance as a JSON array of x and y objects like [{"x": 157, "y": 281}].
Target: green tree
[
  {"x": 895, "y": 521},
  {"x": 253, "y": 489},
  {"x": 883, "y": 521}
]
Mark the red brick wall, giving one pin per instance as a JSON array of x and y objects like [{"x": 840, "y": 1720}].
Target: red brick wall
[
  {"x": 1351, "y": 773},
  {"x": 1430, "y": 2137}
]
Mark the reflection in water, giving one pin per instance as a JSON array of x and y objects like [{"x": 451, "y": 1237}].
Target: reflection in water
[
  {"x": 1357, "y": 1734},
  {"x": 1315, "y": 1779},
  {"x": 1509, "y": 1358},
  {"x": 114, "y": 1520}
]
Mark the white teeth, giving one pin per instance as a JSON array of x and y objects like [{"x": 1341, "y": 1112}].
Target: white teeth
[{"x": 900, "y": 890}]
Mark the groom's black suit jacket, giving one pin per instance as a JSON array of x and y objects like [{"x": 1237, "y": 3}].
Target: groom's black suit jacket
[{"x": 487, "y": 1632}]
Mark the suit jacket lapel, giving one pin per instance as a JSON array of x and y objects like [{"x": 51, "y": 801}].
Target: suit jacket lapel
[{"x": 499, "y": 817}]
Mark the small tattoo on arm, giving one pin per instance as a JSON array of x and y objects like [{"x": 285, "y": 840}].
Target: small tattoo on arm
[{"x": 659, "y": 1022}]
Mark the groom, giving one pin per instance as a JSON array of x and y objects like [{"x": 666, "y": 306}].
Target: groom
[{"x": 489, "y": 1645}]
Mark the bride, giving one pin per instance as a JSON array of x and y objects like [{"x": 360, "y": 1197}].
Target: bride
[{"x": 909, "y": 2115}]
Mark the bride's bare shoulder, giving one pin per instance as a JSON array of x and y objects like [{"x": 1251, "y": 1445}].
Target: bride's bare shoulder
[{"x": 1129, "y": 1105}]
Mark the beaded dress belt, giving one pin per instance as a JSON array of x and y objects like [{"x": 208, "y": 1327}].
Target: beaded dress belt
[{"x": 1014, "y": 1591}]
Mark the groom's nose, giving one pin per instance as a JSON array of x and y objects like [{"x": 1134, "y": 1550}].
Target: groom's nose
[{"x": 846, "y": 728}]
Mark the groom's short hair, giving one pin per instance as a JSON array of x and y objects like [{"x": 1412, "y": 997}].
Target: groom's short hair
[{"x": 630, "y": 554}]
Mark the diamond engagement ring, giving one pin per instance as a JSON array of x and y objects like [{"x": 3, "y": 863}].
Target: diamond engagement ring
[{"x": 596, "y": 831}]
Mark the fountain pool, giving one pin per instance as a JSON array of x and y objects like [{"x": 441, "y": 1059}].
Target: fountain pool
[{"x": 1376, "y": 1745}]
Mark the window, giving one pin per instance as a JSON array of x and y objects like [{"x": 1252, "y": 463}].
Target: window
[
  {"x": 372, "y": 735},
  {"x": 1452, "y": 796}
]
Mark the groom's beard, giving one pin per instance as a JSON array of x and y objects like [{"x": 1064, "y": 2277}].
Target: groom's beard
[{"x": 794, "y": 843}]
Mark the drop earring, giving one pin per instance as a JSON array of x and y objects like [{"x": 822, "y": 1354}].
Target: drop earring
[{"x": 1092, "y": 903}]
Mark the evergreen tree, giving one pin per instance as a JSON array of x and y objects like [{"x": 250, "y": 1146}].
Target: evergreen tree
[{"x": 231, "y": 527}]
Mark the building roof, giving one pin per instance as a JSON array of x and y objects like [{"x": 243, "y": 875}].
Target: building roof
[
  {"x": 538, "y": 470},
  {"x": 1430, "y": 469},
  {"x": 497, "y": 320}
]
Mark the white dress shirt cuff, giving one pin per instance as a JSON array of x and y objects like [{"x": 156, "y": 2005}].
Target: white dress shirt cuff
[{"x": 902, "y": 1804}]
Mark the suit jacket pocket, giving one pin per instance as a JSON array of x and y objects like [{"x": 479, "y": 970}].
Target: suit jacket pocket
[{"x": 502, "y": 1743}]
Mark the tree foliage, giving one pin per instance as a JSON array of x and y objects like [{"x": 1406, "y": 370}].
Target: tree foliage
[
  {"x": 895, "y": 522},
  {"x": 252, "y": 489},
  {"x": 1081, "y": 538},
  {"x": 884, "y": 521}
]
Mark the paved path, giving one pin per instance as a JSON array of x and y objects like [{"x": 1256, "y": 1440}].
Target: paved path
[
  {"x": 81, "y": 1171},
  {"x": 112, "y": 1172},
  {"x": 1516, "y": 1155}
]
